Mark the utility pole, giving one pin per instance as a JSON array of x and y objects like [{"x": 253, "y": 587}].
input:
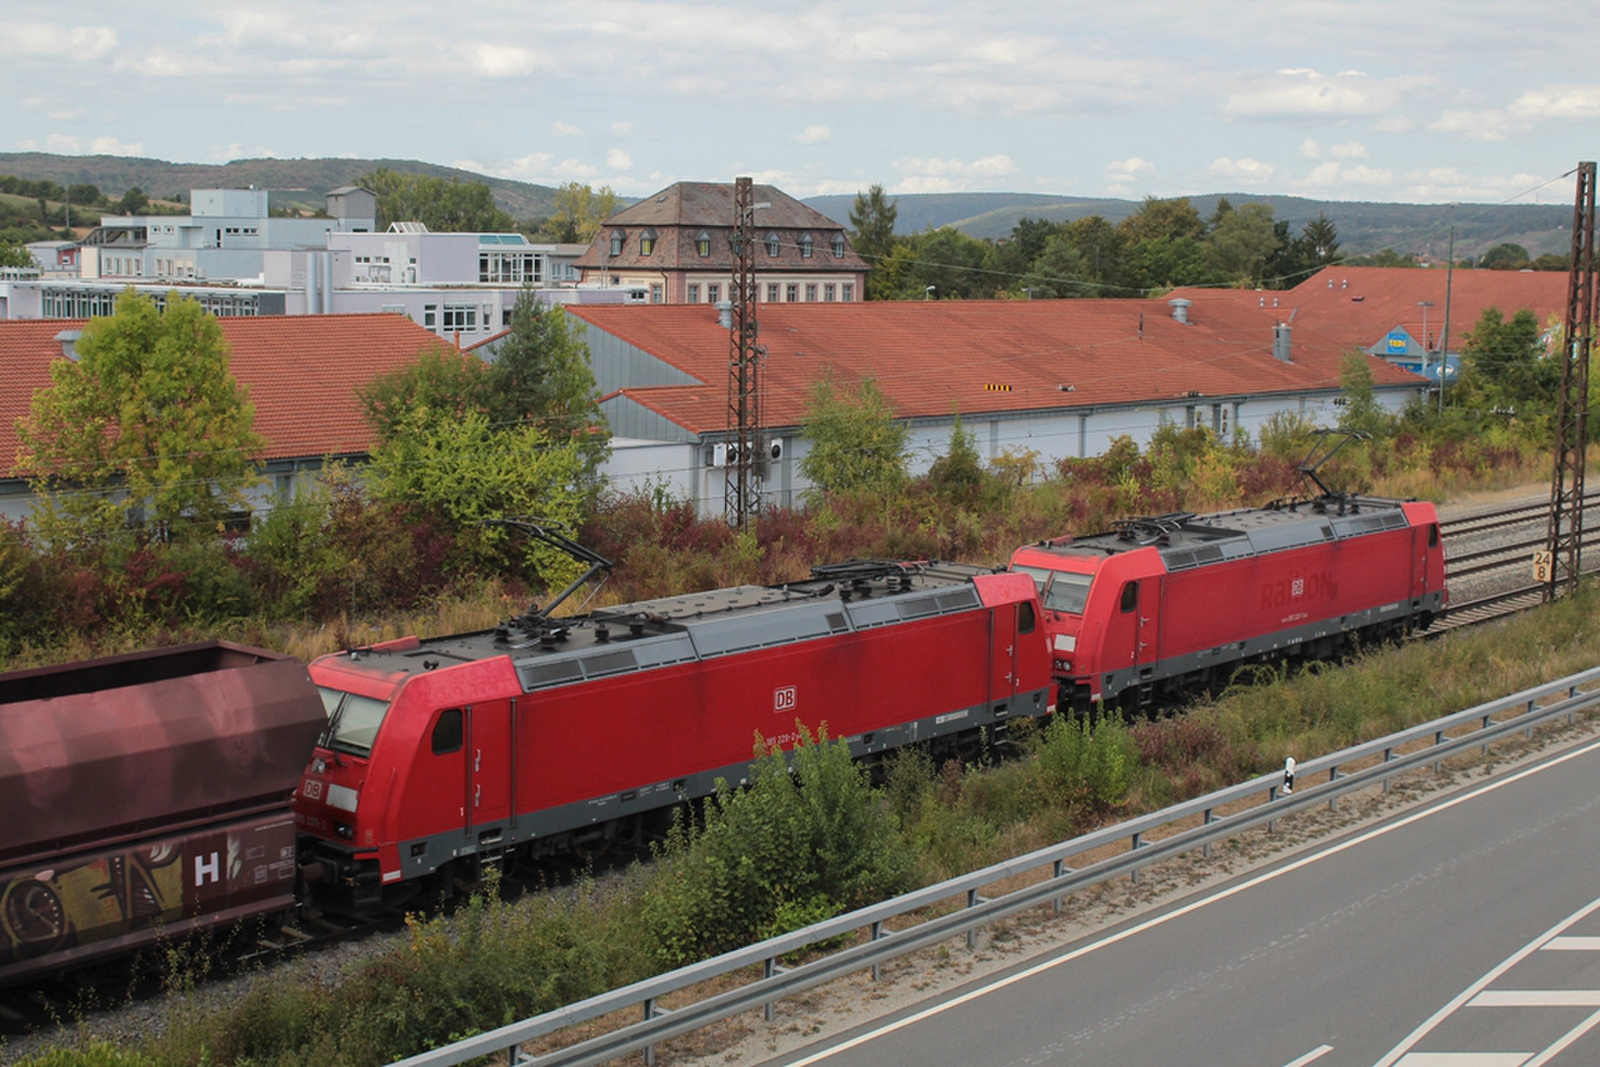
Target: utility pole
[
  {"x": 1565, "y": 544},
  {"x": 747, "y": 448}
]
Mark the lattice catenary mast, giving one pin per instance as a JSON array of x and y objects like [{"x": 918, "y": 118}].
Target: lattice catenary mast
[
  {"x": 1572, "y": 405},
  {"x": 746, "y": 446}
]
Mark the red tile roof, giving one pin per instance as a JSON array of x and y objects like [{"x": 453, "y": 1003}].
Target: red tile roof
[
  {"x": 931, "y": 357},
  {"x": 302, "y": 371},
  {"x": 1356, "y": 306}
]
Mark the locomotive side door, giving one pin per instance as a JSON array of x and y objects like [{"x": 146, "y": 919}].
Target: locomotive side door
[
  {"x": 489, "y": 763},
  {"x": 1003, "y": 626}
]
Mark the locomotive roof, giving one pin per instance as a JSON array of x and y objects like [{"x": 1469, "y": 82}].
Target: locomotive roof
[
  {"x": 1187, "y": 540},
  {"x": 656, "y": 633}
]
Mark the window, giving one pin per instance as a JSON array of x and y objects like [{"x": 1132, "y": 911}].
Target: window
[
  {"x": 447, "y": 732},
  {"x": 647, "y": 242},
  {"x": 694, "y": 293},
  {"x": 772, "y": 292},
  {"x": 827, "y": 293},
  {"x": 460, "y": 317},
  {"x": 838, "y": 245},
  {"x": 772, "y": 246},
  {"x": 617, "y": 237},
  {"x": 847, "y": 292},
  {"x": 1025, "y": 618},
  {"x": 1130, "y": 597},
  {"x": 713, "y": 293},
  {"x": 702, "y": 244},
  {"x": 805, "y": 246},
  {"x": 430, "y": 313},
  {"x": 655, "y": 293},
  {"x": 811, "y": 292},
  {"x": 791, "y": 292}
]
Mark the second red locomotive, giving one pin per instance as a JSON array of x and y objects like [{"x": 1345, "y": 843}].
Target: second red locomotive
[{"x": 1159, "y": 605}]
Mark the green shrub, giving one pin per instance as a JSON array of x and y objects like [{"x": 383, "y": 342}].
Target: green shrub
[{"x": 1086, "y": 765}]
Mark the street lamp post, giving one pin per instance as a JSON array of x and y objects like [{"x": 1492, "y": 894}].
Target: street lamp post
[{"x": 1425, "y": 305}]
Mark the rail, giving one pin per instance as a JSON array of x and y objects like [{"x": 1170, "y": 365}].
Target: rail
[{"x": 1262, "y": 803}]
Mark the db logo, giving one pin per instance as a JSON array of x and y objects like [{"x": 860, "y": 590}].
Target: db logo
[
  {"x": 312, "y": 789},
  {"x": 1298, "y": 588},
  {"x": 785, "y": 698}
]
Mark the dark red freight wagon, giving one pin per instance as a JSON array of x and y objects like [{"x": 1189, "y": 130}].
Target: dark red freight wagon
[
  {"x": 1158, "y": 605},
  {"x": 443, "y": 756},
  {"x": 145, "y": 796}
]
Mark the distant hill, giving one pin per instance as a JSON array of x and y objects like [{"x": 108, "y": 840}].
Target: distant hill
[
  {"x": 1364, "y": 228},
  {"x": 300, "y": 182}
]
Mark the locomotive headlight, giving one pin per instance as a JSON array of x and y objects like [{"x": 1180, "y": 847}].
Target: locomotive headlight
[{"x": 345, "y": 830}]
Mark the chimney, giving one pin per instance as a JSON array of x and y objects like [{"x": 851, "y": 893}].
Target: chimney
[
  {"x": 1180, "y": 309},
  {"x": 69, "y": 343},
  {"x": 725, "y": 314},
  {"x": 1280, "y": 343}
]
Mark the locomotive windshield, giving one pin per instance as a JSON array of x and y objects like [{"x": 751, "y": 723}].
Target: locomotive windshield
[
  {"x": 353, "y": 721},
  {"x": 1059, "y": 590}
]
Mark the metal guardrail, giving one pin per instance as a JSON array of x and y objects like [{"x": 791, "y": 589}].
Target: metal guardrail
[{"x": 1571, "y": 694}]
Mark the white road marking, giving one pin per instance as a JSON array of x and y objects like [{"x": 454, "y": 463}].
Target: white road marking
[
  {"x": 1315, "y": 1054},
  {"x": 1573, "y": 943},
  {"x": 1464, "y": 1059},
  {"x": 1536, "y": 998},
  {"x": 1251, "y": 883}
]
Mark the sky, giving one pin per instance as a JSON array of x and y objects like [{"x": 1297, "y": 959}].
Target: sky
[{"x": 1427, "y": 101}]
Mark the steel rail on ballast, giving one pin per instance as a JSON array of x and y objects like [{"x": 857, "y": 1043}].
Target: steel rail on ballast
[{"x": 1266, "y": 805}]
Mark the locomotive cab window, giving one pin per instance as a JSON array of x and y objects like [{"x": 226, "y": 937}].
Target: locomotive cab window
[
  {"x": 353, "y": 721},
  {"x": 1130, "y": 597},
  {"x": 1025, "y": 619},
  {"x": 447, "y": 732},
  {"x": 1433, "y": 536},
  {"x": 1059, "y": 590}
]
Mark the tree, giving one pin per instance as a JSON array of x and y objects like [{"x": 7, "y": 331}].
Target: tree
[
  {"x": 449, "y": 382},
  {"x": 1241, "y": 239},
  {"x": 148, "y": 418},
  {"x": 1013, "y": 257},
  {"x": 1360, "y": 411},
  {"x": 872, "y": 236},
  {"x": 579, "y": 213},
  {"x": 1506, "y": 256},
  {"x": 855, "y": 442},
  {"x": 949, "y": 261},
  {"x": 446, "y": 206},
  {"x": 15, "y": 256},
  {"x": 541, "y": 375},
  {"x": 1058, "y": 271},
  {"x": 1164, "y": 245},
  {"x": 1506, "y": 366},
  {"x": 133, "y": 201},
  {"x": 1171, "y": 219},
  {"x": 85, "y": 194},
  {"x": 462, "y": 470},
  {"x": 958, "y": 475}
]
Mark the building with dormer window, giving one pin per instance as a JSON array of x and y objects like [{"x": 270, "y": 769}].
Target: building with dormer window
[{"x": 676, "y": 245}]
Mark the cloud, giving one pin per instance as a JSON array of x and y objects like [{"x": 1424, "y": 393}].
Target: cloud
[
  {"x": 1301, "y": 93},
  {"x": 949, "y": 175},
  {"x": 561, "y": 129},
  {"x": 505, "y": 61},
  {"x": 64, "y": 143},
  {"x": 1311, "y": 149},
  {"x": 1334, "y": 174},
  {"x": 621, "y": 129},
  {"x": 111, "y": 146},
  {"x": 812, "y": 135},
  {"x": 1474, "y": 125},
  {"x": 617, "y": 159},
  {"x": 1395, "y": 124},
  {"x": 1124, "y": 172},
  {"x": 81, "y": 43},
  {"x": 1248, "y": 171},
  {"x": 1446, "y": 184},
  {"x": 1557, "y": 102}
]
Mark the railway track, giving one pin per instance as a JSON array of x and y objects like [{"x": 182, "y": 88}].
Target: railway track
[{"x": 1488, "y": 559}]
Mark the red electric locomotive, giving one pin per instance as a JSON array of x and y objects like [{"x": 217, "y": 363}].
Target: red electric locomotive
[
  {"x": 445, "y": 756},
  {"x": 1160, "y": 604},
  {"x": 146, "y": 797}
]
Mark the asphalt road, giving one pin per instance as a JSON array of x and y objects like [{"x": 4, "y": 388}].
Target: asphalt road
[{"x": 1463, "y": 933}]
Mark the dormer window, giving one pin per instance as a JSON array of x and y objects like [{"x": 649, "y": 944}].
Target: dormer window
[
  {"x": 772, "y": 246},
  {"x": 647, "y": 242},
  {"x": 805, "y": 246},
  {"x": 838, "y": 246},
  {"x": 702, "y": 244},
  {"x": 617, "y": 237}
]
